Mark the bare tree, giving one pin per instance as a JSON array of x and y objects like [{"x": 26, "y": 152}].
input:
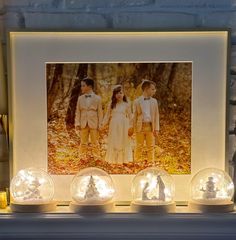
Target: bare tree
[
  {"x": 70, "y": 115},
  {"x": 172, "y": 76},
  {"x": 53, "y": 83}
]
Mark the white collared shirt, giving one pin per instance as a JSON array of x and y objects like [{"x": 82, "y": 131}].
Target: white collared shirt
[
  {"x": 146, "y": 109},
  {"x": 88, "y": 99}
]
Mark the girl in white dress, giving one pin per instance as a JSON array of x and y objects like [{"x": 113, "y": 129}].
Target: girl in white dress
[{"x": 118, "y": 116}]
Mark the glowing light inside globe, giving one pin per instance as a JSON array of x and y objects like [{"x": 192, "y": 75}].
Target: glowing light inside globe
[
  {"x": 92, "y": 185},
  {"x": 153, "y": 185},
  {"x": 211, "y": 186},
  {"x": 32, "y": 185}
]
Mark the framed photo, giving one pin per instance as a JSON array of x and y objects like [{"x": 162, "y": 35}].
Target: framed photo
[{"x": 80, "y": 99}]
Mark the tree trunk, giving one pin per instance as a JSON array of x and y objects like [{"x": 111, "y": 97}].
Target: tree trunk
[
  {"x": 53, "y": 87},
  {"x": 70, "y": 115},
  {"x": 172, "y": 76},
  {"x": 93, "y": 71},
  {"x": 160, "y": 69}
]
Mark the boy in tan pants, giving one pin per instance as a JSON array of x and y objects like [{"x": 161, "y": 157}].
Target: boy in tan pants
[
  {"x": 88, "y": 117},
  {"x": 146, "y": 120}
]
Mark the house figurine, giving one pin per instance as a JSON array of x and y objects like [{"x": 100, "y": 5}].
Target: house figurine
[{"x": 33, "y": 193}]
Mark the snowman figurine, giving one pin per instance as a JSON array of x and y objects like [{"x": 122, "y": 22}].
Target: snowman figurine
[{"x": 210, "y": 191}]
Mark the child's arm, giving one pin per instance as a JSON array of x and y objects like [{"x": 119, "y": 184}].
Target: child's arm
[
  {"x": 157, "y": 119},
  {"x": 77, "y": 114},
  {"x": 100, "y": 113},
  {"x": 130, "y": 117},
  {"x": 135, "y": 114},
  {"x": 107, "y": 116}
]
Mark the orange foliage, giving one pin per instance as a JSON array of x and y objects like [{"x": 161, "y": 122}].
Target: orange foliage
[{"x": 172, "y": 150}]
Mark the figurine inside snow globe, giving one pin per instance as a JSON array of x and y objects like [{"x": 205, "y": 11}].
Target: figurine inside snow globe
[
  {"x": 32, "y": 190},
  {"x": 92, "y": 189},
  {"x": 211, "y": 189},
  {"x": 153, "y": 191}
]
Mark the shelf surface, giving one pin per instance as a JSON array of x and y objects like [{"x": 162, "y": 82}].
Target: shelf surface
[{"x": 119, "y": 224}]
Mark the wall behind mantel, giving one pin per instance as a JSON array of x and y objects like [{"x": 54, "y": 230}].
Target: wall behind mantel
[{"x": 120, "y": 14}]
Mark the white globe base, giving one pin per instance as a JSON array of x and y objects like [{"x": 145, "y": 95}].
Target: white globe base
[
  {"x": 153, "y": 208},
  {"x": 91, "y": 208},
  {"x": 211, "y": 208},
  {"x": 33, "y": 208}
]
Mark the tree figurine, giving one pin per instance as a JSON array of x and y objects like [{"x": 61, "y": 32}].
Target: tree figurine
[
  {"x": 211, "y": 190},
  {"x": 160, "y": 183},
  {"x": 91, "y": 191}
]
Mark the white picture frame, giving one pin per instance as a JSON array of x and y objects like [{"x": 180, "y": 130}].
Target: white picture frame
[{"x": 29, "y": 51}]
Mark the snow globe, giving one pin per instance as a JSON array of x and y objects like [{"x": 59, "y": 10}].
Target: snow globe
[
  {"x": 92, "y": 190},
  {"x": 153, "y": 191},
  {"x": 211, "y": 190},
  {"x": 32, "y": 190}
]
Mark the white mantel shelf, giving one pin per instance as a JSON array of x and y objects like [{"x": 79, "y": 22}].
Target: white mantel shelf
[{"x": 117, "y": 225}]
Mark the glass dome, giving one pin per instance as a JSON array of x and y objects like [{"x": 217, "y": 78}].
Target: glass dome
[
  {"x": 32, "y": 185},
  {"x": 92, "y": 186},
  {"x": 211, "y": 186},
  {"x": 153, "y": 186}
]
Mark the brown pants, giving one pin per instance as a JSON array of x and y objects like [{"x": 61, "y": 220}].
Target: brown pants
[
  {"x": 146, "y": 135},
  {"x": 87, "y": 134}
]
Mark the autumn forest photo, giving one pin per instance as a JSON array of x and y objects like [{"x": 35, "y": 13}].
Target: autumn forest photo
[{"x": 96, "y": 116}]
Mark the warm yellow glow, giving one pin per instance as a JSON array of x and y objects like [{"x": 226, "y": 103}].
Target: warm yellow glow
[
  {"x": 216, "y": 179},
  {"x": 142, "y": 183},
  {"x": 3, "y": 200},
  {"x": 101, "y": 186},
  {"x": 19, "y": 193},
  {"x": 149, "y": 186},
  {"x": 231, "y": 186},
  {"x": 42, "y": 181},
  {"x": 148, "y": 33},
  {"x": 167, "y": 194},
  {"x": 222, "y": 194},
  {"x": 149, "y": 175},
  {"x": 31, "y": 185},
  {"x": 212, "y": 185}
]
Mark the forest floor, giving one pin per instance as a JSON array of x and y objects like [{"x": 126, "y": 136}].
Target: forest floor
[{"x": 172, "y": 149}]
